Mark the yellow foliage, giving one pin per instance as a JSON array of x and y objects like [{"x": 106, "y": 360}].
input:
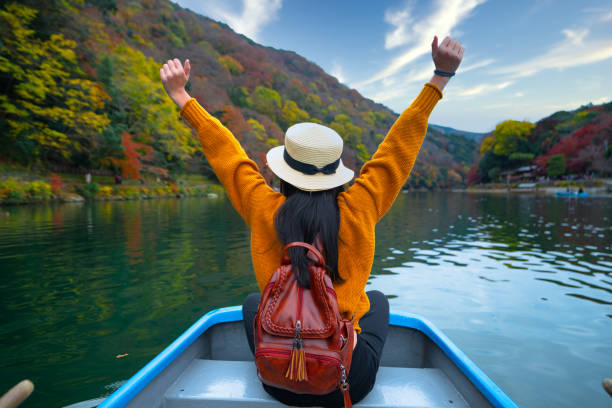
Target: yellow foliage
[
  {"x": 105, "y": 191},
  {"x": 154, "y": 115},
  {"x": 292, "y": 114},
  {"x": 53, "y": 104},
  {"x": 258, "y": 129},
  {"x": 232, "y": 66},
  {"x": 487, "y": 144},
  {"x": 314, "y": 99},
  {"x": 508, "y": 134}
]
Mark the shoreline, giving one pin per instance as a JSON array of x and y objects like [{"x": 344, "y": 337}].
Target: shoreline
[{"x": 14, "y": 192}]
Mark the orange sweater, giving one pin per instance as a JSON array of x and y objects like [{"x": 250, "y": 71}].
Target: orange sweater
[{"x": 361, "y": 206}]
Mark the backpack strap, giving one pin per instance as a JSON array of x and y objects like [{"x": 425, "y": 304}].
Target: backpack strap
[{"x": 319, "y": 258}]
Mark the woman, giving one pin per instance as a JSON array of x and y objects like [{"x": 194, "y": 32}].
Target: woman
[{"x": 312, "y": 204}]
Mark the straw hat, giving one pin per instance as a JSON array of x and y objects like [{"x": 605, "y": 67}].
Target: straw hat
[{"x": 310, "y": 159}]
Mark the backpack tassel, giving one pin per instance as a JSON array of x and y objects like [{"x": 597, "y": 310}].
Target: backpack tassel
[{"x": 297, "y": 365}]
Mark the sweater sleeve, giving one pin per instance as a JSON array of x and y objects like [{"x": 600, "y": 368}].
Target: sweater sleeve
[
  {"x": 240, "y": 176},
  {"x": 382, "y": 177}
]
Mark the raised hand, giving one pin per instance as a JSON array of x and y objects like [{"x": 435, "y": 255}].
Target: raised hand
[
  {"x": 448, "y": 55},
  {"x": 174, "y": 77}
]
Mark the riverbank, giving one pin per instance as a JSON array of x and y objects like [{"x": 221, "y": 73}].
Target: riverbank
[
  {"x": 58, "y": 188},
  {"x": 592, "y": 187}
]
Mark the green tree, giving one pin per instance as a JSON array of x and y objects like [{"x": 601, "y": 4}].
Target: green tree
[
  {"x": 266, "y": 101},
  {"x": 555, "y": 165},
  {"x": 239, "y": 96},
  {"x": 521, "y": 157},
  {"x": 48, "y": 109}
]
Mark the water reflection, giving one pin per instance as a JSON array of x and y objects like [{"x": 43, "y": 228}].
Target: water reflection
[
  {"x": 523, "y": 284},
  {"x": 520, "y": 282}
]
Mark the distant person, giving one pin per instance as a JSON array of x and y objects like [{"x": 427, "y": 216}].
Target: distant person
[
  {"x": 313, "y": 203},
  {"x": 118, "y": 179}
]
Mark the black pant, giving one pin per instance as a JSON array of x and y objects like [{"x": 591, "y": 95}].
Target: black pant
[{"x": 366, "y": 355}]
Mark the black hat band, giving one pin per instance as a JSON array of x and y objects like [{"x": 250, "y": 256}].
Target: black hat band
[{"x": 310, "y": 169}]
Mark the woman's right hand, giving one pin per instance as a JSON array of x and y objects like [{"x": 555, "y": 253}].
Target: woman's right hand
[
  {"x": 174, "y": 78},
  {"x": 448, "y": 55}
]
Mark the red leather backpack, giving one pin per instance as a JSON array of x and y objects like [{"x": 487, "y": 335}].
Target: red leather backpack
[{"x": 302, "y": 344}]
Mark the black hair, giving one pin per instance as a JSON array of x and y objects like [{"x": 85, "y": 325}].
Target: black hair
[{"x": 303, "y": 216}]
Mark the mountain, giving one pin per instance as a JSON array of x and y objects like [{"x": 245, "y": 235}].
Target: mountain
[
  {"x": 102, "y": 105},
  {"x": 577, "y": 142},
  {"x": 451, "y": 131}
]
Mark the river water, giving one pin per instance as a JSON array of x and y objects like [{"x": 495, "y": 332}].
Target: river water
[{"x": 522, "y": 284}]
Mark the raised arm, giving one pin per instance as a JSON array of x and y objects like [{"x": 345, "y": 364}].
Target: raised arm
[
  {"x": 383, "y": 176},
  {"x": 240, "y": 176}
]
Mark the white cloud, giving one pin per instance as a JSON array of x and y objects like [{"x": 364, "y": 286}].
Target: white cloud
[
  {"x": 572, "y": 51},
  {"x": 337, "y": 72},
  {"x": 599, "y": 101},
  {"x": 417, "y": 36},
  {"x": 254, "y": 15},
  {"x": 476, "y": 65},
  {"x": 400, "y": 86},
  {"x": 482, "y": 88},
  {"x": 401, "y": 20},
  {"x": 607, "y": 17}
]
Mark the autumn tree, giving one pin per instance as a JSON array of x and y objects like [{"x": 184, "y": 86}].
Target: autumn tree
[
  {"x": 48, "y": 109},
  {"x": 508, "y": 137},
  {"x": 140, "y": 106},
  {"x": 232, "y": 66},
  {"x": 134, "y": 154},
  {"x": 266, "y": 101},
  {"x": 292, "y": 114}
]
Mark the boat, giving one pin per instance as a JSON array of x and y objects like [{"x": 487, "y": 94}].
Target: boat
[
  {"x": 571, "y": 194},
  {"x": 211, "y": 365}
]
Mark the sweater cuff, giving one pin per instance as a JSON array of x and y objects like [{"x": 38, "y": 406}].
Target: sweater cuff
[
  {"x": 428, "y": 98},
  {"x": 194, "y": 114}
]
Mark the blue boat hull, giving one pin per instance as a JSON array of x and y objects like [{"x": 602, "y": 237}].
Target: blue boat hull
[
  {"x": 141, "y": 389},
  {"x": 570, "y": 194}
]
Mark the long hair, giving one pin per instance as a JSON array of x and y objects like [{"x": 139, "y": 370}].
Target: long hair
[{"x": 302, "y": 217}]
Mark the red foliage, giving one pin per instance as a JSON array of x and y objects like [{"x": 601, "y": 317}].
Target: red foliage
[
  {"x": 570, "y": 147},
  {"x": 233, "y": 119},
  {"x": 56, "y": 184},
  {"x": 473, "y": 175},
  {"x": 131, "y": 165}
]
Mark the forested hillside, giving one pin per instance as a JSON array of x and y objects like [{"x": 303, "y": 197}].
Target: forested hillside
[
  {"x": 577, "y": 143},
  {"x": 81, "y": 89}
]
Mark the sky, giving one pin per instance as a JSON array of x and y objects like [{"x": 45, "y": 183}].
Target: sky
[{"x": 523, "y": 60}]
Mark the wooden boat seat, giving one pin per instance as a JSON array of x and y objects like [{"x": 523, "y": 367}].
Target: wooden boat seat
[{"x": 220, "y": 383}]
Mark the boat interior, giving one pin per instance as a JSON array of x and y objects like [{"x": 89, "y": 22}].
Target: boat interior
[{"x": 217, "y": 370}]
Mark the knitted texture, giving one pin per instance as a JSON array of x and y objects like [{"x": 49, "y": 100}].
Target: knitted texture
[{"x": 361, "y": 206}]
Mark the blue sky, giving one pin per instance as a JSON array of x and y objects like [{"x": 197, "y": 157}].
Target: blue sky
[{"x": 524, "y": 59}]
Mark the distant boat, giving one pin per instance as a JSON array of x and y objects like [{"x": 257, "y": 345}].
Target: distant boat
[
  {"x": 211, "y": 365},
  {"x": 571, "y": 194}
]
